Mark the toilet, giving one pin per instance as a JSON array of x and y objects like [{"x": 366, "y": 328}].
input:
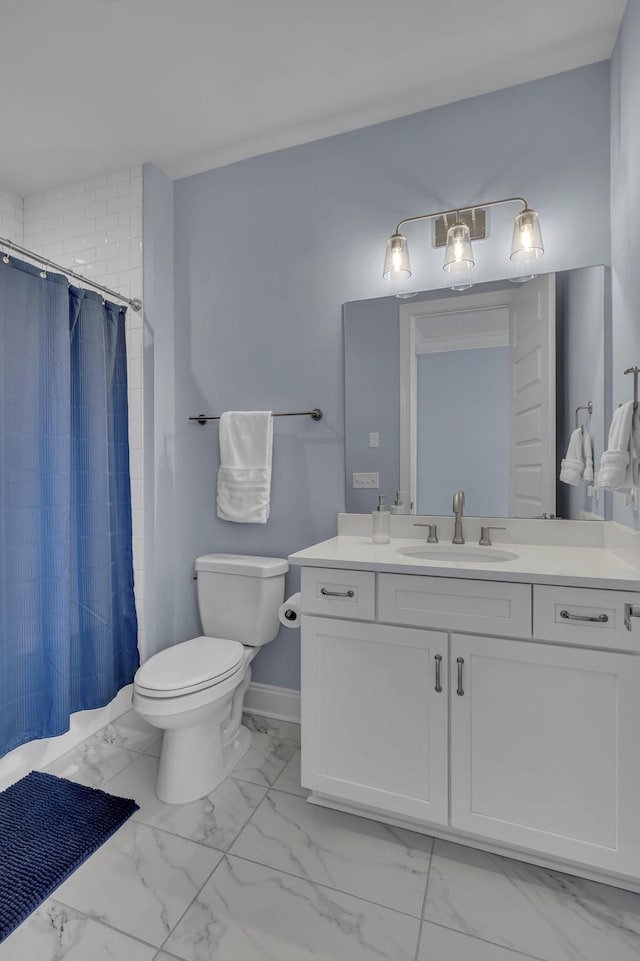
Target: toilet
[{"x": 194, "y": 691}]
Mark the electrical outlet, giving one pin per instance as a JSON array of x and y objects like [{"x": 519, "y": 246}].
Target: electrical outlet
[
  {"x": 368, "y": 481},
  {"x": 374, "y": 439}
]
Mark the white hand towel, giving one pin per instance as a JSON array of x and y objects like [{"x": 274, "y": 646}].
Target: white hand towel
[
  {"x": 587, "y": 456},
  {"x": 244, "y": 475},
  {"x": 633, "y": 472},
  {"x": 573, "y": 466},
  {"x": 617, "y": 463}
]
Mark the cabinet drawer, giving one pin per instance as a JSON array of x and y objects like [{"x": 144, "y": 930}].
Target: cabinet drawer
[
  {"x": 452, "y": 604},
  {"x": 587, "y": 618},
  {"x": 339, "y": 593}
]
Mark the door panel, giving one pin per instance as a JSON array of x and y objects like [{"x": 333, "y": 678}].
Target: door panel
[
  {"x": 374, "y": 729},
  {"x": 532, "y": 471},
  {"x": 543, "y": 750}
]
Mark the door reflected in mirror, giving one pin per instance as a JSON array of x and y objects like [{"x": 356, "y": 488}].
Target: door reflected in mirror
[
  {"x": 478, "y": 390},
  {"x": 455, "y": 383}
]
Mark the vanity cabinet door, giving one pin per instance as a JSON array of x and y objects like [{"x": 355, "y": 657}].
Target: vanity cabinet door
[
  {"x": 374, "y": 727},
  {"x": 544, "y": 749}
]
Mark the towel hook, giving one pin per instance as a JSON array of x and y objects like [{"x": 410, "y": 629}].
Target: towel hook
[
  {"x": 588, "y": 407},
  {"x": 635, "y": 371}
]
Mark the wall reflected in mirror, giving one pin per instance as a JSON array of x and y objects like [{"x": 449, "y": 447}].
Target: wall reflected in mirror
[{"x": 478, "y": 390}]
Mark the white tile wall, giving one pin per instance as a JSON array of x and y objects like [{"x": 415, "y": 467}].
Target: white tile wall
[
  {"x": 11, "y": 216},
  {"x": 95, "y": 228}
]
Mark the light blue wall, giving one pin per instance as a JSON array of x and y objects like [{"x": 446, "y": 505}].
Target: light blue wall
[
  {"x": 463, "y": 431},
  {"x": 582, "y": 353},
  {"x": 159, "y": 616},
  {"x": 625, "y": 204},
  {"x": 268, "y": 250},
  {"x": 372, "y": 392}
]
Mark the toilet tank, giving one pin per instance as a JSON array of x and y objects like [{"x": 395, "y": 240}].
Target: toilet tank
[{"x": 239, "y": 596}]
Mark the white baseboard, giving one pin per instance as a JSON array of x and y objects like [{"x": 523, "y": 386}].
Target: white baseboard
[
  {"x": 281, "y": 703},
  {"x": 35, "y": 755}
]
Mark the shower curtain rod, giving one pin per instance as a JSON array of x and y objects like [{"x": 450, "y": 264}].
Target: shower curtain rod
[{"x": 134, "y": 303}]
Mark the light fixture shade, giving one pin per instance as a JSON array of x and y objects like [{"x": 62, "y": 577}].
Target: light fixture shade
[
  {"x": 396, "y": 262},
  {"x": 527, "y": 237},
  {"x": 458, "y": 256}
]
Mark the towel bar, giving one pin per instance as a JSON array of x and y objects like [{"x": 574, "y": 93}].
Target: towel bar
[
  {"x": 588, "y": 407},
  {"x": 315, "y": 414}
]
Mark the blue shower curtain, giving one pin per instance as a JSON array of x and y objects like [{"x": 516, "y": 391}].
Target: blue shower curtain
[{"x": 68, "y": 627}]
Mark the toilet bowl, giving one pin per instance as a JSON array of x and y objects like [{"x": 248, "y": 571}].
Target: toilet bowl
[{"x": 194, "y": 690}]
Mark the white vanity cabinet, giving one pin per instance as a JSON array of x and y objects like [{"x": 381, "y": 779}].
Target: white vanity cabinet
[{"x": 477, "y": 710}]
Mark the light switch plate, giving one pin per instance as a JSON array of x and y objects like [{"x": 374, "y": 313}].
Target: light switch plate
[
  {"x": 374, "y": 439},
  {"x": 368, "y": 481}
]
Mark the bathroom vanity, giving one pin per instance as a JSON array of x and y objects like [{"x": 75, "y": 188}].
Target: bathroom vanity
[{"x": 495, "y": 702}]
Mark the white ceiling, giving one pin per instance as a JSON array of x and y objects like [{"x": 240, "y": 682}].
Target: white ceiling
[{"x": 92, "y": 85}]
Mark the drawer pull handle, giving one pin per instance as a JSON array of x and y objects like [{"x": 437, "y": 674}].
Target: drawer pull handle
[
  {"x": 326, "y": 593},
  {"x": 460, "y": 691},
  {"x": 438, "y": 660},
  {"x": 630, "y": 610},
  {"x": 599, "y": 619}
]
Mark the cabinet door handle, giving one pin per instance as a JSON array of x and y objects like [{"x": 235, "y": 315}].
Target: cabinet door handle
[
  {"x": 630, "y": 610},
  {"x": 438, "y": 660},
  {"x": 460, "y": 691},
  {"x": 598, "y": 619},
  {"x": 326, "y": 593}
]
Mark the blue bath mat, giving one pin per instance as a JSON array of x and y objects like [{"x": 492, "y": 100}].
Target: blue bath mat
[{"x": 48, "y": 827}]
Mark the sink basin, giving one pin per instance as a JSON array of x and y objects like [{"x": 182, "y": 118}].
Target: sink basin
[{"x": 463, "y": 554}]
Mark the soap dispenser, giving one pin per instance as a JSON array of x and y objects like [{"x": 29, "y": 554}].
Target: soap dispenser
[
  {"x": 381, "y": 520},
  {"x": 401, "y": 503}
]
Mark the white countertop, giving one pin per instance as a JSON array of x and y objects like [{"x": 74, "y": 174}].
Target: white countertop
[{"x": 535, "y": 564}]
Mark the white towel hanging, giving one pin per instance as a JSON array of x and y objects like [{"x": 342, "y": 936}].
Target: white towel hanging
[
  {"x": 572, "y": 467},
  {"x": 587, "y": 456},
  {"x": 244, "y": 475},
  {"x": 619, "y": 463}
]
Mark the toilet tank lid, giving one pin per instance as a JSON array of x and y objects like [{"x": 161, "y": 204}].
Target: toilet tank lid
[{"x": 242, "y": 564}]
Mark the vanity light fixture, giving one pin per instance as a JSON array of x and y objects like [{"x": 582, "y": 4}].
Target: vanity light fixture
[
  {"x": 455, "y": 229},
  {"x": 458, "y": 256},
  {"x": 527, "y": 237},
  {"x": 396, "y": 260}
]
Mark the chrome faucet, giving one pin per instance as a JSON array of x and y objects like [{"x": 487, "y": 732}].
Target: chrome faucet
[{"x": 458, "y": 504}]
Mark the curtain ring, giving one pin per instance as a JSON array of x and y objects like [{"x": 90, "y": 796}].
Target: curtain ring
[{"x": 43, "y": 274}]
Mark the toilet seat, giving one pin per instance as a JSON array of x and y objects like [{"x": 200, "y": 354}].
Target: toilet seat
[{"x": 190, "y": 666}]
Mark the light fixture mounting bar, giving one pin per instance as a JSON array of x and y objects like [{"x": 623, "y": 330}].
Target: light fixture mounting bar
[
  {"x": 457, "y": 210},
  {"x": 474, "y": 217}
]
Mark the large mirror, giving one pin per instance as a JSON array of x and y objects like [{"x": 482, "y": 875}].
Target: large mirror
[{"x": 479, "y": 390}]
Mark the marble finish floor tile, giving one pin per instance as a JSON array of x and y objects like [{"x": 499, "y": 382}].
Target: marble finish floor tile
[
  {"x": 258, "y": 724},
  {"x": 155, "y": 749},
  {"x": 365, "y": 858},
  {"x": 56, "y": 932},
  {"x": 93, "y": 762},
  {"x": 140, "y": 881},
  {"x": 270, "y": 750},
  {"x": 553, "y": 916},
  {"x": 214, "y": 820},
  {"x": 442, "y": 944},
  {"x": 247, "y": 912},
  {"x": 289, "y": 780},
  {"x": 129, "y": 731}
]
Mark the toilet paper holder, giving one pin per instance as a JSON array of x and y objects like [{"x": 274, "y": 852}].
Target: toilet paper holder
[{"x": 290, "y": 611}]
